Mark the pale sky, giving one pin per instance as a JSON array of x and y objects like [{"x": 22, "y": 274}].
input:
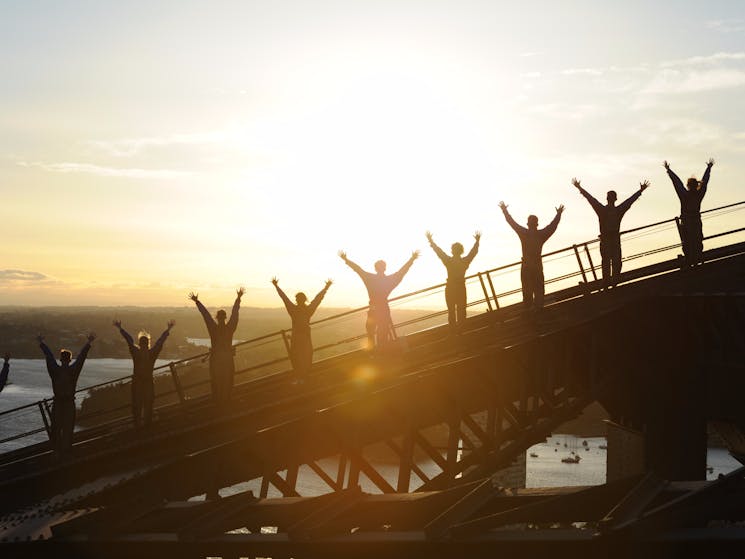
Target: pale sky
[{"x": 148, "y": 149}]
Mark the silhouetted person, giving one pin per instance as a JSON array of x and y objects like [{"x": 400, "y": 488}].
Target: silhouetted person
[
  {"x": 143, "y": 359},
  {"x": 455, "y": 287},
  {"x": 531, "y": 270},
  {"x": 690, "y": 197},
  {"x": 221, "y": 332},
  {"x": 64, "y": 377},
  {"x": 379, "y": 325},
  {"x": 4, "y": 372},
  {"x": 609, "y": 217},
  {"x": 301, "y": 345}
]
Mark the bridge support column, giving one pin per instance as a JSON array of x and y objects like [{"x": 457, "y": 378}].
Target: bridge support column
[{"x": 675, "y": 437}]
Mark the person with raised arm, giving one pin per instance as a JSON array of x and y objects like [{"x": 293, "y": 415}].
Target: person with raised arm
[
  {"x": 532, "y": 240},
  {"x": 222, "y": 368},
  {"x": 64, "y": 377},
  {"x": 379, "y": 325},
  {"x": 690, "y": 196},
  {"x": 143, "y": 360},
  {"x": 301, "y": 344},
  {"x": 455, "y": 286},
  {"x": 609, "y": 219},
  {"x": 5, "y": 370}
]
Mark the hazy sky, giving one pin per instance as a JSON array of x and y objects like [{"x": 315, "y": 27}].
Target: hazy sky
[{"x": 152, "y": 148}]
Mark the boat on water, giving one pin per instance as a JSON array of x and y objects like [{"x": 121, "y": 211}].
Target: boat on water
[
  {"x": 603, "y": 447},
  {"x": 533, "y": 455},
  {"x": 571, "y": 459}
]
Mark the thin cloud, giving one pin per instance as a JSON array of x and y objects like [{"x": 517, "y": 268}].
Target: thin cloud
[
  {"x": 673, "y": 81},
  {"x": 21, "y": 275},
  {"x": 17, "y": 278},
  {"x": 715, "y": 58},
  {"x": 132, "y": 146},
  {"x": 582, "y": 72},
  {"x": 88, "y": 168},
  {"x": 726, "y": 26},
  {"x": 563, "y": 111}
]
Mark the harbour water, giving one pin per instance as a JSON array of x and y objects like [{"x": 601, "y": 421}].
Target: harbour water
[{"x": 29, "y": 383}]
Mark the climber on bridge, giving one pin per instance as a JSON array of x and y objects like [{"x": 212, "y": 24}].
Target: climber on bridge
[
  {"x": 609, "y": 218},
  {"x": 690, "y": 197},
  {"x": 455, "y": 287},
  {"x": 143, "y": 359},
  {"x": 64, "y": 377},
  {"x": 301, "y": 345},
  {"x": 379, "y": 325},
  {"x": 4, "y": 372},
  {"x": 532, "y": 240},
  {"x": 222, "y": 368}
]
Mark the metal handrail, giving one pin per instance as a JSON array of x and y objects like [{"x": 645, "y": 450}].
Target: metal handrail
[{"x": 270, "y": 336}]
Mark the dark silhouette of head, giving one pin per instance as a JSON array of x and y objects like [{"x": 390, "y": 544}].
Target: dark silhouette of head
[
  {"x": 457, "y": 249},
  {"x": 144, "y": 339},
  {"x": 380, "y": 266},
  {"x": 65, "y": 355},
  {"x": 301, "y": 298},
  {"x": 221, "y": 316},
  {"x": 693, "y": 184},
  {"x": 611, "y": 197},
  {"x": 533, "y": 222}
]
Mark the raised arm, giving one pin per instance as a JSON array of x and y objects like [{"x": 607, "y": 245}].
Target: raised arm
[
  {"x": 438, "y": 251},
  {"x": 398, "y": 276},
  {"x": 233, "y": 321},
  {"x": 51, "y": 361},
  {"x": 156, "y": 349},
  {"x": 511, "y": 222},
  {"x": 626, "y": 204},
  {"x": 597, "y": 206},
  {"x": 130, "y": 341},
  {"x": 319, "y": 297},
  {"x": 705, "y": 179},
  {"x": 550, "y": 229},
  {"x": 474, "y": 249},
  {"x": 78, "y": 364},
  {"x": 677, "y": 183},
  {"x": 289, "y": 305},
  {"x": 353, "y": 265},
  {"x": 4, "y": 371},
  {"x": 208, "y": 320}
]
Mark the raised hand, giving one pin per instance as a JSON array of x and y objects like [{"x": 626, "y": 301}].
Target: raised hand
[
  {"x": 91, "y": 337},
  {"x": 666, "y": 165},
  {"x": 343, "y": 255},
  {"x": 240, "y": 292},
  {"x": 576, "y": 183},
  {"x": 560, "y": 209},
  {"x": 503, "y": 206},
  {"x": 429, "y": 236},
  {"x": 194, "y": 296},
  {"x": 329, "y": 282},
  {"x": 117, "y": 323},
  {"x": 477, "y": 236},
  {"x": 171, "y": 324},
  {"x": 40, "y": 338},
  {"x": 275, "y": 281},
  {"x": 6, "y": 356},
  {"x": 415, "y": 255},
  {"x": 644, "y": 185},
  {"x": 710, "y": 162}
]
